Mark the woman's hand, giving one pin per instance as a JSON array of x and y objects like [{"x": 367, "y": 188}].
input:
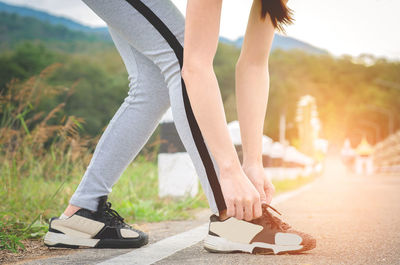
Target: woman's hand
[
  {"x": 241, "y": 197},
  {"x": 264, "y": 186}
]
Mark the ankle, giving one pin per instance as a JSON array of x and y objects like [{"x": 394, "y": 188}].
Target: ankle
[{"x": 71, "y": 209}]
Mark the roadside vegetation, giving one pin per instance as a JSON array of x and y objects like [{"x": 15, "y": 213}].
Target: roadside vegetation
[{"x": 44, "y": 157}]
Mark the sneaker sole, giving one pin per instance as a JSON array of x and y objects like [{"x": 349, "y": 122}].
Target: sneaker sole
[
  {"x": 221, "y": 245},
  {"x": 59, "y": 240}
]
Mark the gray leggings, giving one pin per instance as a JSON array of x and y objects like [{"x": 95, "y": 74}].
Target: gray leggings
[{"x": 149, "y": 37}]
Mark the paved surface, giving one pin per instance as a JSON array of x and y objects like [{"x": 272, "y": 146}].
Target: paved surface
[{"x": 355, "y": 219}]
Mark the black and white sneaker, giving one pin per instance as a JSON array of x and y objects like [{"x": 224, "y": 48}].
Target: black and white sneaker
[
  {"x": 264, "y": 235},
  {"x": 104, "y": 228}
]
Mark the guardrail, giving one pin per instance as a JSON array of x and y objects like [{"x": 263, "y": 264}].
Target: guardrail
[
  {"x": 386, "y": 156},
  {"x": 279, "y": 161},
  {"x": 284, "y": 162}
]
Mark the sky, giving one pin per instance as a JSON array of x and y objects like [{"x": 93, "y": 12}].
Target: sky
[{"x": 340, "y": 26}]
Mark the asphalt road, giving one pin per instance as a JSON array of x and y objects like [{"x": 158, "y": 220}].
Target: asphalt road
[{"x": 355, "y": 219}]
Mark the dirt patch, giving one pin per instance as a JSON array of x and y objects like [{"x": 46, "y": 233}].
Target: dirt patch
[{"x": 34, "y": 249}]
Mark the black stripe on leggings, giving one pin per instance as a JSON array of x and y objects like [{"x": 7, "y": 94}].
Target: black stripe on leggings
[{"x": 194, "y": 127}]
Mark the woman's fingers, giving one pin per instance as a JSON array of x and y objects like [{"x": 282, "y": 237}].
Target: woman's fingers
[
  {"x": 241, "y": 197},
  {"x": 257, "y": 211},
  {"x": 248, "y": 208},
  {"x": 263, "y": 195},
  {"x": 239, "y": 209},
  {"x": 230, "y": 208},
  {"x": 269, "y": 190}
]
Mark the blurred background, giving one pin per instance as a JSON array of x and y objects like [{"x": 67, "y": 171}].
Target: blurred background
[{"x": 334, "y": 89}]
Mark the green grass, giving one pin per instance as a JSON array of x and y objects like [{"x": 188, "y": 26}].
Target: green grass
[
  {"x": 135, "y": 196},
  {"x": 29, "y": 204},
  {"x": 291, "y": 184},
  {"x": 44, "y": 157}
]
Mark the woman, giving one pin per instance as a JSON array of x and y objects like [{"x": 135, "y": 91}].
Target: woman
[{"x": 149, "y": 36}]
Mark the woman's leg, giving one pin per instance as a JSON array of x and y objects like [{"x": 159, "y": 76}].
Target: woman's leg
[
  {"x": 128, "y": 130},
  {"x": 156, "y": 29}
]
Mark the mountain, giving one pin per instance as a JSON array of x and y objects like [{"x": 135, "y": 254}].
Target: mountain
[
  {"x": 52, "y": 19},
  {"x": 283, "y": 43},
  {"x": 280, "y": 41},
  {"x": 15, "y": 28}
]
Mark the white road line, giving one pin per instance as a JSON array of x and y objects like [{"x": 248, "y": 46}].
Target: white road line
[
  {"x": 159, "y": 250},
  {"x": 287, "y": 195}
]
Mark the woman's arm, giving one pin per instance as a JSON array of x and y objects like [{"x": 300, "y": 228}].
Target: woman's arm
[
  {"x": 252, "y": 88},
  {"x": 200, "y": 45}
]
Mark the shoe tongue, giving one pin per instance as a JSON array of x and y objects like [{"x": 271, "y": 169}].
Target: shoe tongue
[{"x": 102, "y": 203}]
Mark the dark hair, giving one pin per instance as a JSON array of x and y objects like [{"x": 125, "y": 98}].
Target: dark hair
[{"x": 278, "y": 11}]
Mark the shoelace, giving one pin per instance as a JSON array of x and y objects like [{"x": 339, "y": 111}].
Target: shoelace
[
  {"x": 112, "y": 215},
  {"x": 273, "y": 220}
]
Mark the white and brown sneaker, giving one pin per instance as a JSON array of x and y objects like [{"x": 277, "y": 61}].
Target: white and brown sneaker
[
  {"x": 264, "y": 235},
  {"x": 104, "y": 228}
]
